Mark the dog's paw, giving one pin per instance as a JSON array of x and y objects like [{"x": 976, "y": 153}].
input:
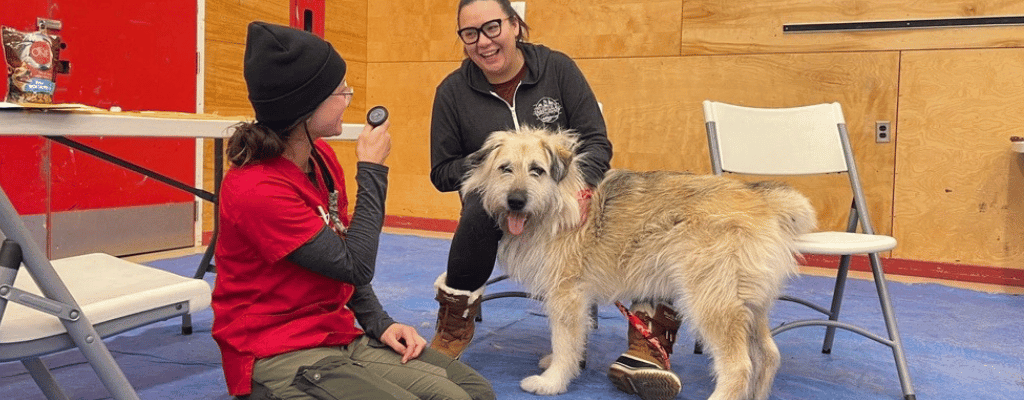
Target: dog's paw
[
  {"x": 544, "y": 362},
  {"x": 540, "y": 385}
]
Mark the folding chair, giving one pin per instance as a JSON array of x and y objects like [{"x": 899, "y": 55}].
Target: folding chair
[
  {"x": 77, "y": 301},
  {"x": 525, "y": 295},
  {"x": 809, "y": 140}
]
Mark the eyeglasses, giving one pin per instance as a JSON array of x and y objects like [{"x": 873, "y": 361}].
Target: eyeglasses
[
  {"x": 491, "y": 29},
  {"x": 347, "y": 91}
]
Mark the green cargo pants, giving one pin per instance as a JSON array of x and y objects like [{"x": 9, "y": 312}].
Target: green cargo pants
[{"x": 365, "y": 369}]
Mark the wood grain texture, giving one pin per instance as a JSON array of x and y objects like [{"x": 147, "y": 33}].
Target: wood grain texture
[
  {"x": 345, "y": 27},
  {"x": 412, "y": 30},
  {"x": 959, "y": 194},
  {"x": 227, "y": 20},
  {"x": 734, "y": 27},
  {"x": 655, "y": 118},
  {"x": 607, "y": 28},
  {"x": 424, "y": 30},
  {"x": 407, "y": 90},
  {"x": 225, "y": 93}
]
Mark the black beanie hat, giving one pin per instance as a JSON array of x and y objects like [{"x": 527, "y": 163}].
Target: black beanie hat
[{"x": 289, "y": 72}]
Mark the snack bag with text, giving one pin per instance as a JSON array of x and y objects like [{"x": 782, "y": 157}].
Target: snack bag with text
[{"x": 31, "y": 59}]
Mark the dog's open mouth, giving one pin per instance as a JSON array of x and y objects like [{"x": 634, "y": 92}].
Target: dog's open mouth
[{"x": 516, "y": 222}]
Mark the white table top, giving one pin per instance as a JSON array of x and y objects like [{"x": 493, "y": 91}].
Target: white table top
[
  {"x": 82, "y": 120},
  {"x": 1017, "y": 146}
]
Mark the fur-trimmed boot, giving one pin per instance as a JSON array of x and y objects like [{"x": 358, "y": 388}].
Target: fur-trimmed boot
[
  {"x": 640, "y": 369},
  {"x": 455, "y": 318}
]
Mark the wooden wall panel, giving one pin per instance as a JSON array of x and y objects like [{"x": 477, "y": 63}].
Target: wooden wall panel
[
  {"x": 345, "y": 27},
  {"x": 227, "y": 20},
  {"x": 424, "y": 30},
  {"x": 960, "y": 190},
  {"x": 607, "y": 28},
  {"x": 407, "y": 90},
  {"x": 655, "y": 119},
  {"x": 412, "y": 30},
  {"x": 225, "y": 87},
  {"x": 732, "y": 27}
]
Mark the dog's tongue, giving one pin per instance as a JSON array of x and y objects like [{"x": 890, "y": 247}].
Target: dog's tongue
[{"x": 516, "y": 222}]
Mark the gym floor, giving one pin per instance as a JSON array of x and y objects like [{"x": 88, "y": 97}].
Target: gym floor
[{"x": 962, "y": 341}]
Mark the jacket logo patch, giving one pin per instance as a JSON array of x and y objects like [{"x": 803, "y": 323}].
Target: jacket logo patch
[{"x": 547, "y": 110}]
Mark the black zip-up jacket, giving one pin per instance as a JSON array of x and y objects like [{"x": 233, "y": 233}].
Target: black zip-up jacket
[{"x": 553, "y": 93}]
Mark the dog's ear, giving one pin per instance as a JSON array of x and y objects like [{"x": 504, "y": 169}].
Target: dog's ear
[
  {"x": 478, "y": 157},
  {"x": 561, "y": 159},
  {"x": 474, "y": 160}
]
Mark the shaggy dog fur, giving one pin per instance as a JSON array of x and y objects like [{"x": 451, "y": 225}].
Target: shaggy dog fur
[{"x": 720, "y": 249}]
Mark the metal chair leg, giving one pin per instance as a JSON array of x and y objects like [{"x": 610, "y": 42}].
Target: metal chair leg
[
  {"x": 204, "y": 267},
  {"x": 890, "y": 325},
  {"x": 837, "y": 300},
  {"x": 44, "y": 379}
]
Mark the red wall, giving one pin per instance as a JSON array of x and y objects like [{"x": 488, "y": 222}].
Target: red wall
[{"x": 138, "y": 55}]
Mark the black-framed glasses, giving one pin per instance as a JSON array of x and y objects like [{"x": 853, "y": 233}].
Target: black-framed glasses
[{"x": 491, "y": 29}]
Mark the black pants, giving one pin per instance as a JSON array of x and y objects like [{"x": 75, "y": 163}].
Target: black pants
[{"x": 474, "y": 246}]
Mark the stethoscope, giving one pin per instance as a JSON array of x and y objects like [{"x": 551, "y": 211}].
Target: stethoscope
[
  {"x": 375, "y": 117},
  {"x": 331, "y": 215}
]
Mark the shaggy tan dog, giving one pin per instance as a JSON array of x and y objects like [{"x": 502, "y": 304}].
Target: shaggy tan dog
[{"x": 719, "y": 248}]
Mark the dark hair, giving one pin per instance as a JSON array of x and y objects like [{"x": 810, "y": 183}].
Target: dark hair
[
  {"x": 506, "y": 6},
  {"x": 253, "y": 142}
]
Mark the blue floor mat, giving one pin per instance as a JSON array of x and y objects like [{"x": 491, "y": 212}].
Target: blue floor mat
[{"x": 960, "y": 344}]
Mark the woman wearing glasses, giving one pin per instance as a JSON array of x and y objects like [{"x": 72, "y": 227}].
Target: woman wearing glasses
[
  {"x": 506, "y": 83},
  {"x": 295, "y": 316}
]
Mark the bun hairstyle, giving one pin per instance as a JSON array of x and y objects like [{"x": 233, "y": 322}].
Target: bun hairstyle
[
  {"x": 252, "y": 142},
  {"x": 288, "y": 73},
  {"x": 506, "y": 6}
]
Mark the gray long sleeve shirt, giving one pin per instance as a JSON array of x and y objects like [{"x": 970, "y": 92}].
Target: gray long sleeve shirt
[{"x": 354, "y": 259}]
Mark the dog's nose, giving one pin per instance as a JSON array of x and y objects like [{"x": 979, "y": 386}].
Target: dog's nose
[{"x": 516, "y": 200}]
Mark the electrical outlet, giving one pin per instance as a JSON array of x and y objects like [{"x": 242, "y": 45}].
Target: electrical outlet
[{"x": 883, "y": 132}]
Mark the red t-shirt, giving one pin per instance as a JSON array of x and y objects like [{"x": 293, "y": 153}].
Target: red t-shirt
[{"x": 263, "y": 304}]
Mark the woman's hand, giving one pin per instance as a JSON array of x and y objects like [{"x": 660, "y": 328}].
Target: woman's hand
[
  {"x": 374, "y": 144},
  {"x": 404, "y": 340}
]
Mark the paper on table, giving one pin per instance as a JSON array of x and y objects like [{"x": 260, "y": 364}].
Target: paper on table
[{"x": 29, "y": 106}]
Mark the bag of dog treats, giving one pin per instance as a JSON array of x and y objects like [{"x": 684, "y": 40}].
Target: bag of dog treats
[{"x": 31, "y": 60}]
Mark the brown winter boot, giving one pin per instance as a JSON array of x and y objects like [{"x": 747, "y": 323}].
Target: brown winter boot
[
  {"x": 455, "y": 318},
  {"x": 640, "y": 369}
]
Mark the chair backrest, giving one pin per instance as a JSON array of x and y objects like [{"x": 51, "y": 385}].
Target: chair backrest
[
  {"x": 775, "y": 141},
  {"x": 806, "y": 140}
]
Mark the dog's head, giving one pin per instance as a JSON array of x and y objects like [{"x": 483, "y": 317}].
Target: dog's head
[{"x": 526, "y": 175}]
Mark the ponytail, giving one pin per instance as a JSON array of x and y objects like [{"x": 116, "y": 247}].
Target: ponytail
[{"x": 253, "y": 142}]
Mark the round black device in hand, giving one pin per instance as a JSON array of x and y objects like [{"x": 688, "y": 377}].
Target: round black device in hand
[{"x": 376, "y": 116}]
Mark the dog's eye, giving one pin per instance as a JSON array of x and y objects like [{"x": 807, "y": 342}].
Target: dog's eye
[
  {"x": 505, "y": 168},
  {"x": 537, "y": 171}
]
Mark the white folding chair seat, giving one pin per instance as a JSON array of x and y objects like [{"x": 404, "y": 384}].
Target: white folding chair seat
[
  {"x": 809, "y": 140},
  {"x": 116, "y": 294},
  {"x": 50, "y": 306},
  {"x": 840, "y": 243}
]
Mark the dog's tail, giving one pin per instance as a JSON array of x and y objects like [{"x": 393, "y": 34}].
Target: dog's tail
[{"x": 796, "y": 214}]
